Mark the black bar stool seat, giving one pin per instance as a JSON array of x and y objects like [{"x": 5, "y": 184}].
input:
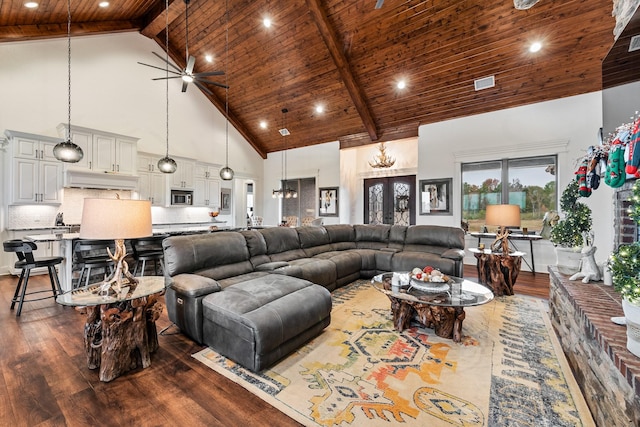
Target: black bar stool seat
[
  {"x": 148, "y": 249},
  {"x": 92, "y": 254},
  {"x": 26, "y": 262}
]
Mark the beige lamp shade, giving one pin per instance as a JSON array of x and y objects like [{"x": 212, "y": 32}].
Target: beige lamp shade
[
  {"x": 115, "y": 219},
  {"x": 503, "y": 215}
]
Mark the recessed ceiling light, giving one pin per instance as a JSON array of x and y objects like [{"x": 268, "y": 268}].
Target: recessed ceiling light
[
  {"x": 401, "y": 84},
  {"x": 263, "y": 124},
  {"x": 103, "y": 4},
  {"x": 535, "y": 47},
  {"x": 208, "y": 58},
  {"x": 31, "y": 4},
  {"x": 266, "y": 22},
  {"x": 319, "y": 109}
]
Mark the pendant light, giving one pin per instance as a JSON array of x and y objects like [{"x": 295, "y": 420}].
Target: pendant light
[
  {"x": 284, "y": 191},
  {"x": 167, "y": 164},
  {"x": 226, "y": 173},
  {"x": 67, "y": 151}
]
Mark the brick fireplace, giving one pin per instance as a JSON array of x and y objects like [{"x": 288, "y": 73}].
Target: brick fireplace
[{"x": 625, "y": 230}]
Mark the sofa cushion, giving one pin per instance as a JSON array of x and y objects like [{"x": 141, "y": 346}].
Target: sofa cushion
[
  {"x": 319, "y": 271},
  {"x": 220, "y": 272},
  {"x": 283, "y": 243},
  {"x": 255, "y": 317},
  {"x": 433, "y": 238},
  {"x": 397, "y": 235},
  {"x": 197, "y": 252},
  {"x": 314, "y": 240},
  {"x": 372, "y": 236},
  {"x": 342, "y": 236}
]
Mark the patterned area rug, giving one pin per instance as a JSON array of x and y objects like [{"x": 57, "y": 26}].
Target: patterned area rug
[{"x": 508, "y": 370}]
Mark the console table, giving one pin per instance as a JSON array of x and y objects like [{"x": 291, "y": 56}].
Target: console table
[
  {"x": 497, "y": 270},
  {"x": 514, "y": 236},
  {"x": 120, "y": 331},
  {"x": 596, "y": 348}
]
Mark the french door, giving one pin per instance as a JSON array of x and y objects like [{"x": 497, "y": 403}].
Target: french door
[{"x": 390, "y": 200}]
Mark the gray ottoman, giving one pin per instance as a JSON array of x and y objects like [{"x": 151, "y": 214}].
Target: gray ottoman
[{"x": 258, "y": 322}]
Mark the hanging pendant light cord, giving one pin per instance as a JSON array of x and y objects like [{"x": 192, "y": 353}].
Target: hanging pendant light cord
[
  {"x": 226, "y": 74},
  {"x": 166, "y": 45},
  {"x": 69, "y": 70}
]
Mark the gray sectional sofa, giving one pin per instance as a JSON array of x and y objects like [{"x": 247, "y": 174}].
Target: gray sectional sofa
[{"x": 257, "y": 295}]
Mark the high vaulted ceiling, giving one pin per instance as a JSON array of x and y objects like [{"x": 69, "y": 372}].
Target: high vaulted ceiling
[{"x": 348, "y": 56}]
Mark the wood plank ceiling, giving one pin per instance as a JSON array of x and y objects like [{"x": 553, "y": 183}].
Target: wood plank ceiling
[{"x": 348, "y": 56}]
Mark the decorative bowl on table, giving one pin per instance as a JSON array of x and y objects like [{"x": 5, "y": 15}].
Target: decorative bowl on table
[{"x": 429, "y": 280}]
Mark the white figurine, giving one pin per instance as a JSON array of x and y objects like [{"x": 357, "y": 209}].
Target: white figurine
[{"x": 589, "y": 270}]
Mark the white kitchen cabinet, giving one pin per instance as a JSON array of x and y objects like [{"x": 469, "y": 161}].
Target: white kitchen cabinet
[
  {"x": 152, "y": 184},
  {"x": 206, "y": 190},
  {"x": 152, "y": 187},
  {"x": 206, "y": 193},
  {"x": 148, "y": 162},
  {"x": 34, "y": 175},
  {"x": 103, "y": 151},
  {"x": 183, "y": 177}
]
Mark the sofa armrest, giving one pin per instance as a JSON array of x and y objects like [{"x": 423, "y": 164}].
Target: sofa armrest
[
  {"x": 194, "y": 285},
  {"x": 392, "y": 250},
  {"x": 270, "y": 266},
  {"x": 454, "y": 254}
]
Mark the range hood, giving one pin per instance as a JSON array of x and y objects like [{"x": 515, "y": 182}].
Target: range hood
[{"x": 105, "y": 181}]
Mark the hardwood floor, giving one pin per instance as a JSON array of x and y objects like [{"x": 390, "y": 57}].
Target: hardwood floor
[{"x": 45, "y": 381}]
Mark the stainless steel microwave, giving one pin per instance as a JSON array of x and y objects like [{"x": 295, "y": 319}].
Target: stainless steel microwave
[{"x": 181, "y": 197}]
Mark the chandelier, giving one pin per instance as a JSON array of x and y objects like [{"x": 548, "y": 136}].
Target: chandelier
[
  {"x": 284, "y": 191},
  {"x": 382, "y": 160}
]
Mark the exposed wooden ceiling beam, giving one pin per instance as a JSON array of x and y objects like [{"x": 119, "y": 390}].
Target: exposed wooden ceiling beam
[
  {"x": 36, "y": 32},
  {"x": 157, "y": 17},
  {"x": 342, "y": 64}
]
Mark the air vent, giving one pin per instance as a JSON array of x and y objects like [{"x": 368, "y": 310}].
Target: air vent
[
  {"x": 485, "y": 83},
  {"x": 634, "y": 44},
  {"x": 284, "y": 132}
]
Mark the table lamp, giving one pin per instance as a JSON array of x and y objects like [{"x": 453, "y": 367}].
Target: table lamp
[
  {"x": 116, "y": 219},
  {"x": 503, "y": 216}
]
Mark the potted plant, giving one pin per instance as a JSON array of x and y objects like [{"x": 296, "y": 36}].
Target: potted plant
[
  {"x": 624, "y": 264},
  {"x": 569, "y": 234}
]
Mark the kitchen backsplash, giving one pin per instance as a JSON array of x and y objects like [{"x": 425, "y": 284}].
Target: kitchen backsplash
[{"x": 43, "y": 216}]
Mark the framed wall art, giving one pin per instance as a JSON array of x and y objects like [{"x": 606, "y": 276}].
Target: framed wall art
[
  {"x": 329, "y": 201},
  {"x": 435, "y": 196},
  {"x": 225, "y": 201}
]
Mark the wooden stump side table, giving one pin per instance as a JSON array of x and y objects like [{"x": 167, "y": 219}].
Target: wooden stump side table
[
  {"x": 497, "y": 270},
  {"x": 119, "y": 333}
]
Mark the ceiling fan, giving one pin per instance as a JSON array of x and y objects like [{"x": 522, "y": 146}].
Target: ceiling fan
[{"x": 187, "y": 75}]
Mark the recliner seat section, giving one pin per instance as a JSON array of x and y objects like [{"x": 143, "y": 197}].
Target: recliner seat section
[{"x": 257, "y": 295}]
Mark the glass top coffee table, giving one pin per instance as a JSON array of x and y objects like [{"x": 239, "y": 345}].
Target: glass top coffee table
[{"x": 439, "y": 306}]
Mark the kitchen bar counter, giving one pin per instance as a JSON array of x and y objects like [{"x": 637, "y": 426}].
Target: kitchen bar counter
[{"x": 65, "y": 241}]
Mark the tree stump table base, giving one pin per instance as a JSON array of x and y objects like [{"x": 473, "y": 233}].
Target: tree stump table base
[
  {"x": 498, "y": 271},
  {"x": 446, "y": 322},
  {"x": 121, "y": 336}
]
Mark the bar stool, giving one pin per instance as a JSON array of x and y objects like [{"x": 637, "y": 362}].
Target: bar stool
[
  {"x": 92, "y": 254},
  {"x": 148, "y": 249},
  {"x": 26, "y": 261}
]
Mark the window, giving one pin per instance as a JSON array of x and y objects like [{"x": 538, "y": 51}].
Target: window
[{"x": 531, "y": 184}]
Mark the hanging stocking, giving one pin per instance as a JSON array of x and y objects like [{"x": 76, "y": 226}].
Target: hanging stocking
[
  {"x": 633, "y": 161},
  {"x": 581, "y": 176}
]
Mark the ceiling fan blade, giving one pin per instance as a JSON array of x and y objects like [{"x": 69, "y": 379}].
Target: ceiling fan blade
[
  {"x": 184, "y": 86},
  {"x": 209, "y": 73},
  {"x": 165, "y": 78},
  {"x": 379, "y": 4},
  {"x": 202, "y": 87},
  {"x": 165, "y": 60},
  {"x": 209, "y": 82},
  {"x": 190, "y": 63},
  {"x": 157, "y": 68}
]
